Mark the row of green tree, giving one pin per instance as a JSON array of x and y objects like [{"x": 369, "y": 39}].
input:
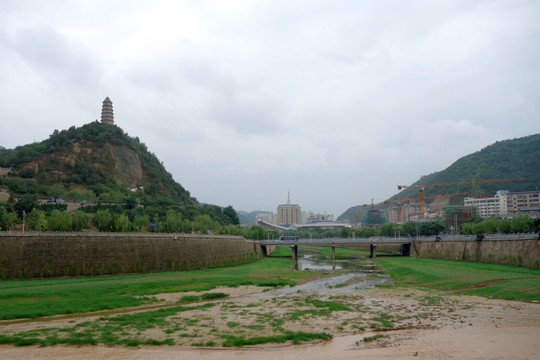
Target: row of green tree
[
  {"x": 407, "y": 229},
  {"x": 518, "y": 224},
  {"x": 112, "y": 201},
  {"x": 107, "y": 221}
]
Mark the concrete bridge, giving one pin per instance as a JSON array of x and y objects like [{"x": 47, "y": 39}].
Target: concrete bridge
[{"x": 404, "y": 243}]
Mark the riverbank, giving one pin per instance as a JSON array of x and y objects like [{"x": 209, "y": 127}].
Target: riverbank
[
  {"x": 427, "y": 309},
  {"x": 407, "y": 324}
]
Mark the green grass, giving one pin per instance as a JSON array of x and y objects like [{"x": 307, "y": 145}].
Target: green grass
[
  {"x": 321, "y": 251},
  {"x": 283, "y": 251},
  {"x": 189, "y": 298},
  {"x": 212, "y": 296},
  {"x": 45, "y": 297},
  {"x": 296, "y": 337},
  {"x": 341, "y": 252},
  {"x": 114, "y": 330},
  {"x": 326, "y": 308},
  {"x": 465, "y": 278},
  {"x": 373, "y": 338}
]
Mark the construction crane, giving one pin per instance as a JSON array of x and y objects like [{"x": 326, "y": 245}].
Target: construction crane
[
  {"x": 361, "y": 211},
  {"x": 400, "y": 201},
  {"x": 356, "y": 218},
  {"x": 421, "y": 198}
]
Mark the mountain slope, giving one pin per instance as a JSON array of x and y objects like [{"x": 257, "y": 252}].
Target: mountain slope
[
  {"x": 501, "y": 160},
  {"x": 96, "y": 156}
]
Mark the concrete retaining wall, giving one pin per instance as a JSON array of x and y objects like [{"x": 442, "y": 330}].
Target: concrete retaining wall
[
  {"x": 31, "y": 255},
  {"x": 524, "y": 252}
]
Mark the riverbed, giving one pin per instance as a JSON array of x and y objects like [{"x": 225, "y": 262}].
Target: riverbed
[{"x": 423, "y": 325}]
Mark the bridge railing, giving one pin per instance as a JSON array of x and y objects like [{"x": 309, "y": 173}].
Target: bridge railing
[{"x": 394, "y": 240}]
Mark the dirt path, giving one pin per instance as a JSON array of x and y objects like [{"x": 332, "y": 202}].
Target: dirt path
[{"x": 424, "y": 326}]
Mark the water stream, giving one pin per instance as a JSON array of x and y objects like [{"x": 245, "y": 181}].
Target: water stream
[{"x": 360, "y": 275}]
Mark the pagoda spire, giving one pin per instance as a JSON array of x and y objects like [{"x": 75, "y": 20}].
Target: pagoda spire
[{"x": 107, "y": 115}]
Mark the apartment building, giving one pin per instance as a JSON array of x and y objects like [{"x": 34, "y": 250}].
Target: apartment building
[
  {"x": 489, "y": 205},
  {"x": 409, "y": 212},
  {"x": 519, "y": 202}
]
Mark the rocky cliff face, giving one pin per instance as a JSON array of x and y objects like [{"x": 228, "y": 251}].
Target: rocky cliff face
[
  {"x": 117, "y": 161},
  {"x": 128, "y": 166}
]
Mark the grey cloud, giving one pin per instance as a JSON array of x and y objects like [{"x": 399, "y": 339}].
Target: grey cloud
[{"x": 50, "y": 54}]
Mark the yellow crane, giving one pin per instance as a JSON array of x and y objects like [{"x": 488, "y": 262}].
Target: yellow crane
[
  {"x": 356, "y": 218},
  {"x": 400, "y": 201},
  {"x": 421, "y": 198}
]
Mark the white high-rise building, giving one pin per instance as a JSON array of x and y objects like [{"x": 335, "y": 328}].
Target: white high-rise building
[{"x": 489, "y": 205}]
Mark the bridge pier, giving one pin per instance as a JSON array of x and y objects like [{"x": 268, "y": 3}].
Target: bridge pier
[
  {"x": 295, "y": 256},
  {"x": 372, "y": 250},
  {"x": 333, "y": 252}
]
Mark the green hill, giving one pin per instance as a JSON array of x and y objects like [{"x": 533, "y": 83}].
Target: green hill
[
  {"x": 516, "y": 158},
  {"x": 96, "y": 157}
]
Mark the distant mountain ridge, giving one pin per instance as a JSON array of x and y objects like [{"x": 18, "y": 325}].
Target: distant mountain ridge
[
  {"x": 502, "y": 160},
  {"x": 249, "y": 218}
]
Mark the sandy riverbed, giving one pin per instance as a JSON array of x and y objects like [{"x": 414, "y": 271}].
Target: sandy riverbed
[{"x": 424, "y": 326}]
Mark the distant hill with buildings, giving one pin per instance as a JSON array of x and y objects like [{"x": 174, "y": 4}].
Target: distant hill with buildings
[
  {"x": 476, "y": 173},
  {"x": 249, "y": 218}
]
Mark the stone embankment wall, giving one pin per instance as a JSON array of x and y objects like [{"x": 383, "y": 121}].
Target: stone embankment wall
[
  {"x": 31, "y": 255},
  {"x": 523, "y": 252}
]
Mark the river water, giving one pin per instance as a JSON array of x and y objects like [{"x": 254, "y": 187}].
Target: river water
[{"x": 352, "y": 275}]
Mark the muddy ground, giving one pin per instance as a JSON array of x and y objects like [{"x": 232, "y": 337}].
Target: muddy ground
[{"x": 400, "y": 323}]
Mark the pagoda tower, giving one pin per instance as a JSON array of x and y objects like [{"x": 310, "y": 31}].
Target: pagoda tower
[{"x": 107, "y": 116}]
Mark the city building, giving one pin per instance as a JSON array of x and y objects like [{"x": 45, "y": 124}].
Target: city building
[
  {"x": 313, "y": 218},
  {"x": 522, "y": 202},
  {"x": 489, "y": 205},
  {"x": 289, "y": 214},
  {"x": 266, "y": 217},
  {"x": 409, "y": 212},
  {"x": 107, "y": 115}
]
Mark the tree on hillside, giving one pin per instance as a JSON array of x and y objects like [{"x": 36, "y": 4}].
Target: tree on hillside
[
  {"x": 59, "y": 221},
  {"x": 122, "y": 223},
  {"x": 104, "y": 220},
  {"x": 26, "y": 203},
  {"x": 231, "y": 214},
  {"x": 202, "y": 224},
  {"x": 74, "y": 195},
  {"x": 173, "y": 221},
  {"x": 79, "y": 220},
  {"x": 89, "y": 195},
  {"x": 37, "y": 220},
  {"x": 8, "y": 219},
  {"x": 57, "y": 191},
  {"x": 142, "y": 223}
]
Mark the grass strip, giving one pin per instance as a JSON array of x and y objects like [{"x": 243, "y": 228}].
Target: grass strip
[
  {"x": 507, "y": 282},
  {"x": 115, "y": 330},
  {"x": 296, "y": 337},
  {"x": 46, "y": 297}
]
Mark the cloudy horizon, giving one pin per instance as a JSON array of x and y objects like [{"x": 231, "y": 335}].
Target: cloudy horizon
[{"x": 243, "y": 101}]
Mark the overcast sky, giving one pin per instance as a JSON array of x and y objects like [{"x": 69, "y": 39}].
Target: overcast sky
[{"x": 243, "y": 101}]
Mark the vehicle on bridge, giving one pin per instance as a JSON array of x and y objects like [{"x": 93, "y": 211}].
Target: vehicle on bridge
[{"x": 288, "y": 238}]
